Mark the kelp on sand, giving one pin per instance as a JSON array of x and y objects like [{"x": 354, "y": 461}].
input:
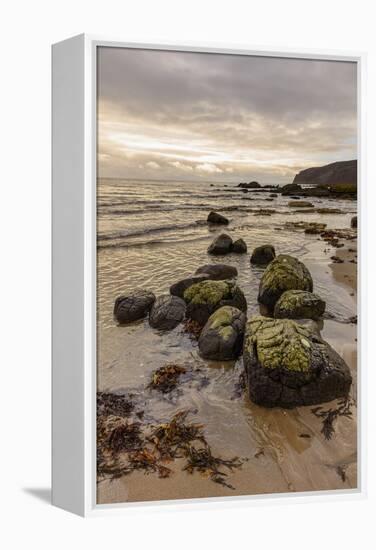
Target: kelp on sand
[{"x": 125, "y": 446}]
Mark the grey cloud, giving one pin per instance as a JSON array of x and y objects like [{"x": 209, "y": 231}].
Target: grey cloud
[{"x": 251, "y": 108}]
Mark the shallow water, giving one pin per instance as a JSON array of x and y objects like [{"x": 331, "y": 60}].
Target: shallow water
[{"x": 151, "y": 234}]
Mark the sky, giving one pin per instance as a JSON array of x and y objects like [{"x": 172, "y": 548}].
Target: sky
[{"x": 169, "y": 115}]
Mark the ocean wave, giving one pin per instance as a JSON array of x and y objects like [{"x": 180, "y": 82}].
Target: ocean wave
[
  {"x": 150, "y": 242},
  {"x": 149, "y": 230}
]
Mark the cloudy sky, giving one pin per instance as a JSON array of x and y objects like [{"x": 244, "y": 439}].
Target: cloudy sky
[{"x": 210, "y": 117}]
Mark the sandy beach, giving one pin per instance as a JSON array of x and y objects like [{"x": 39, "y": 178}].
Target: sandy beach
[{"x": 283, "y": 450}]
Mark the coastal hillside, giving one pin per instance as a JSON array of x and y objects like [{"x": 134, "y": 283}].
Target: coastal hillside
[{"x": 331, "y": 174}]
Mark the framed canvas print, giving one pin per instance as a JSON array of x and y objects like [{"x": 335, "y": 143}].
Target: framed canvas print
[{"x": 206, "y": 281}]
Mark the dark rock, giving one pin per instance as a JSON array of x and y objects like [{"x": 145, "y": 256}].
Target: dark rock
[
  {"x": 214, "y": 217},
  {"x": 354, "y": 222},
  {"x": 289, "y": 365},
  {"x": 300, "y": 204},
  {"x": 180, "y": 287},
  {"x": 329, "y": 211},
  {"x": 239, "y": 247},
  {"x": 316, "y": 192},
  {"x": 133, "y": 306},
  {"x": 222, "y": 337},
  {"x": 263, "y": 255},
  {"x": 291, "y": 189},
  {"x": 206, "y": 297},
  {"x": 221, "y": 245},
  {"x": 250, "y": 185},
  {"x": 167, "y": 312},
  {"x": 299, "y": 304},
  {"x": 273, "y": 195},
  {"x": 218, "y": 272},
  {"x": 283, "y": 273}
]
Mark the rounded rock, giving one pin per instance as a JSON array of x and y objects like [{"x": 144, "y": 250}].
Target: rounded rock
[
  {"x": 167, "y": 312},
  {"x": 221, "y": 245},
  {"x": 133, "y": 306},
  {"x": 222, "y": 337},
  {"x": 283, "y": 273},
  {"x": 239, "y": 246},
  {"x": 289, "y": 365},
  {"x": 263, "y": 255},
  {"x": 218, "y": 272},
  {"x": 206, "y": 297},
  {"x": 299, "y": 304},
  {"x": 216, "y": 218}
]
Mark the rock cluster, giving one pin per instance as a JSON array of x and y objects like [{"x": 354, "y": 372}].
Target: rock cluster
[
  {"x": 223, "y": 244},
  {"x": 286, "y": 362}
]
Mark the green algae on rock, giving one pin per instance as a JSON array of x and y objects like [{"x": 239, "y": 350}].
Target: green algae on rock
[
  {"x": 283, "y": 273},
  {"x": 281, "y": 344},
  {"x": 287, "y": 364},
  {"x": 222, "y": 336},
  {"x": 299, "y": 304},
  {"x": 206, "y": 297}
]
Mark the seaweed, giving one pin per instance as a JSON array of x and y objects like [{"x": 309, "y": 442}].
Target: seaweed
[
  {"x": 113, "y": 403},
  {"x": 203, "y": 461},
  {"x": 329, "y": 416},
  {"x": 239, "y": 386},
  {"x": 124, "y": 446},
  {"x": 171, "y": 438},
  {"x": 166, "y": 378},
  {"x": 193, "y": 328}
]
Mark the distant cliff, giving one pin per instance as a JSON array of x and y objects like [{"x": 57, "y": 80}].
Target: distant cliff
[{"x": 344, "y": 172}]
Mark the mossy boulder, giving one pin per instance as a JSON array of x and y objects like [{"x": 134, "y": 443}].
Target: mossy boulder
[
  {"x": 263, "y": 255},
  {"x": 206, "y": 297},
  {"x": 178, "y": 289},
  {"x": 167, "y": 312},
  {"x": 283, "y": 273},
  {"x": 299, "y": 304},
  {"x": 289, "y": 365},
  {"x": 218, "y": 272},
  {"x": 216, "y": 218},
  {"x": 222, "y": 336},
  {"x": 239, "y": 246},
  {"x": 133, "y": 306},
  {"x": 221, "y": 245}
]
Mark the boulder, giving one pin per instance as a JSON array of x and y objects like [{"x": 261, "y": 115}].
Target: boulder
[
  {"x": 178, "y": 289},
  {"x": 263, "y": 255},
  {"x": 283, "y": 273},
  {"x": 299, "y": 304},
  {"x": 288, "y": 365},
  {"x": 133, "y": 306},
  {"x": 214, "y": 217},
  {"x": 222, "y": 337},
  {"x": 218, "y": 272},
  {"x": 273, "y": 195},
  {"x": 239, "y": 247},
  {"x": 221, "y": 245},
  {"x": 290, "y": 189},
  {"x": 300, "y": 204},
  {"x": 354, "y": 222},
  {"x": 206, "y": 297},
  {"x": 167, "y": 312}
]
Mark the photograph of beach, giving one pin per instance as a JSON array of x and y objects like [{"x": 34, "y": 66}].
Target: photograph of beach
[{"x": 226, "y": 275}]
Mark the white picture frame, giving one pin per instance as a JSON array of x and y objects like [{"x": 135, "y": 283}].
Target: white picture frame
[{"x": 74, "y": 275}]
